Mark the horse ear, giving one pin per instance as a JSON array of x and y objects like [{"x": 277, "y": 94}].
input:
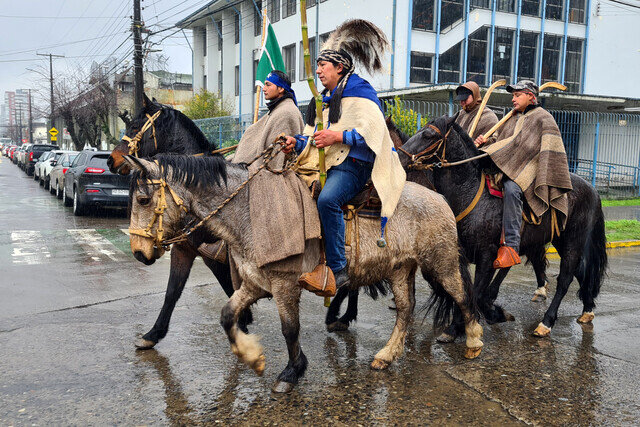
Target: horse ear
[
  {"x": 451, "y": 119},
  {"x": 146, "y": 102},
  {"x": 144, "y": 166},
  {"x": 154, "y": 100}
]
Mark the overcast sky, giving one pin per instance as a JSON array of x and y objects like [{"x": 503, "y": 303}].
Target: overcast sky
[{"x": 83, "y": 31}]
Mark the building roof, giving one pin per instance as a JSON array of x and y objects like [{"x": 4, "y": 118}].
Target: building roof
[{"x": 206, "y": 10}]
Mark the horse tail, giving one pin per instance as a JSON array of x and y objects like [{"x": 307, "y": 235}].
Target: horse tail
[
  {"x": 593, "y": 264},
  {"x": 442, "y": 303}
]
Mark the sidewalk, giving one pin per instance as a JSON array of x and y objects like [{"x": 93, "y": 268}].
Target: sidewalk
[{"x": 613, "y": 213}]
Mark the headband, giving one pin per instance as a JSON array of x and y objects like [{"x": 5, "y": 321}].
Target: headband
[{"x": 276, "y": 80}]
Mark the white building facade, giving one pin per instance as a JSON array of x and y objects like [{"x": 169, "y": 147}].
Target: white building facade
[{"x": 581, "y": 43}]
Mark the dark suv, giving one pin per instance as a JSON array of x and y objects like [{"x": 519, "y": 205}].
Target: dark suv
[
  {"x": 88, "y": 182},
  {"x": 33, "y": 153}
]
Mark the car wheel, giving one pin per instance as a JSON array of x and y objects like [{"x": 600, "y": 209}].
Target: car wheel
[
  {"x": 35, "y": 177},
  {"x": 65, "y": 200},
  {"x": 78, "y": 206},
  {"x": 53, "y": 190},
  {"x": 45, "y": 184}
]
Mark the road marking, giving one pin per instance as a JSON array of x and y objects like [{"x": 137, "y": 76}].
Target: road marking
[
  {"x": 95, "y": 244},
  {"x": 29, "y": 248}
]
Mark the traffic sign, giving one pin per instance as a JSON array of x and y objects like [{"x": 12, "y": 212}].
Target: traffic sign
[
  {"x": 54, "y": 138},
  {"x": 53, "y": 132}
]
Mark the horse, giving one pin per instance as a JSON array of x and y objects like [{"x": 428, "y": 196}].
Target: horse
[
  {"x": 581, "y": 245},
  {"x": 421, "y": 234},
  {"x": 161, "y": 129}
]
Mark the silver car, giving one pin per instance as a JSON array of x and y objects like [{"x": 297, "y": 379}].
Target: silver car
[{"x": 56, "y": 176}]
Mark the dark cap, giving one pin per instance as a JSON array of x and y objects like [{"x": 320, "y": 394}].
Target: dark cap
[
  {"x": 462, "y": 93},
  {"x": 525, "y": 86}
]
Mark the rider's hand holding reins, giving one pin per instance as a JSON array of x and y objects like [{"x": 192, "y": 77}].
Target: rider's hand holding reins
[
  {"x": 326, "y": 137},
  {"x": 288, "y": 145}
]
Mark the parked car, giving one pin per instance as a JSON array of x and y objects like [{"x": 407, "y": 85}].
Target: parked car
[
  {"x": 7, "y": 150},
  {"x": 22, "y": 157},
  {"x": 40, "y": 163},
  {"x": 32, "y": 155},
  {"x": 88, "y": 182},
  {"x": 11, "y": 151},
  {"x": 16, "y": 154},
  {"x": 47, "y": 165},
  {"x": 56, "y": 176}
]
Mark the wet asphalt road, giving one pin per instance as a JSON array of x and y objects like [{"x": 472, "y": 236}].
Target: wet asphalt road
[{"x": 73, "y": 299}]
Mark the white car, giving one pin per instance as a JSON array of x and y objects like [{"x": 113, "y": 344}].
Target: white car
[{"x": 46, "y": 166}]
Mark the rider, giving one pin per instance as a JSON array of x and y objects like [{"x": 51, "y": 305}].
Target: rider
[
  {"x": 283, "y": 117},
  {"x": 357, "y": 145},
  {"x": 529, "y": 151},
  {"x": 469, "y": 96}
]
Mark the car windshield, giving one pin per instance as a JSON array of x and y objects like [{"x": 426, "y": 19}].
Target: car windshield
[
  {"x": 68, "y": 160},
  {"x": 58, "y": 155}
]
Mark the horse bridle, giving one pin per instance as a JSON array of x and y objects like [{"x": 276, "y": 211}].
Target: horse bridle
[
  {"x": 418, "y": 159},
  {"x": 133, "y": 143}
]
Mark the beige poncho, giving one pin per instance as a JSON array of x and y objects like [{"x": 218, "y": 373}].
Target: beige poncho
[
  {"x": 486, "y": 122},
  {"x": 529, "y": 150},
  {"x": 365, "y": 117}
]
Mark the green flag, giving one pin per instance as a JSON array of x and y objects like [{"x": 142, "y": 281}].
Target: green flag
[{"x": 270, "y": 56}]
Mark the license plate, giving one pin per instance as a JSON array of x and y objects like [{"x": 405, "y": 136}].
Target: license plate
[{"x": 120, "y": 192}]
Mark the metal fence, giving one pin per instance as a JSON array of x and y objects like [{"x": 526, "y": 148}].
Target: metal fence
[{"x": 602, "y": 148}]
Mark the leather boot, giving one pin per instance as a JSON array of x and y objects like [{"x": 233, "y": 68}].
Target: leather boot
[{"x": 507, "y": 257}]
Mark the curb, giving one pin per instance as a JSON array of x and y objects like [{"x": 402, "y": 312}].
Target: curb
[{"x": 610, "y": 245}]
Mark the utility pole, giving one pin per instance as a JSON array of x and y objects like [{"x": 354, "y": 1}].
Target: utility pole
[
  {"x": 51, "y": 56},
  {"x": 20, "y": 123},
  {"x": 138, "y": 83},
  {"x": 30, "y": 120}
]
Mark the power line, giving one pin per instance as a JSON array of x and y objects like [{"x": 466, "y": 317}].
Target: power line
[{"x": 58, "y": 45}]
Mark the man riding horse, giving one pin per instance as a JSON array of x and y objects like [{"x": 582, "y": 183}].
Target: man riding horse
[
  {"x": 529, "y": 151},
  {"x": 357, "y": 142},
  {"x": 469, "y": 96}
]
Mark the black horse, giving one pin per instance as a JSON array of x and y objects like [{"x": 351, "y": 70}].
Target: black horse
[
  {"x": 172, "y": 132},
  {"x": 582, "y": 245}
]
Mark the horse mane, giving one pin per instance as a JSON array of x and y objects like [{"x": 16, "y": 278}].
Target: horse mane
[
  {"x": 189, "y": 170},
  {"x": 465, "y": 137},
  {"x": 391, "y": 126},
  {"x": 193, "y": 131}
]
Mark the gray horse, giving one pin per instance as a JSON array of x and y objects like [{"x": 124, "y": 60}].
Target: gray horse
[{"x": 421, "y": 234}]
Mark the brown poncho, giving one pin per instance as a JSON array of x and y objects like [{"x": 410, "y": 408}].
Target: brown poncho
[
  {"x": 487, "y": 120},
  {"x": 529, "y": 150}
]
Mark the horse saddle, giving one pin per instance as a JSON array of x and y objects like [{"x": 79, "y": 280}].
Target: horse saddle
[{"x": 365, "y": 204}]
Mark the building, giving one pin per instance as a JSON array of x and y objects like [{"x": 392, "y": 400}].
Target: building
[
  {"x": 15, "y": 113},
  {"x": 436, "y": 44}
]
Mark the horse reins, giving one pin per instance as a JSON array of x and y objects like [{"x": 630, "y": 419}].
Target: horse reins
[{"x": 133, "y": 143}]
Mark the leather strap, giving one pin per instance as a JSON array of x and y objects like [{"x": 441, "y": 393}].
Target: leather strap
[{"x": 474, "y": 202}]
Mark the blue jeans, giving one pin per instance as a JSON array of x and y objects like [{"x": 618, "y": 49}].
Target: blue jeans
[
  {"x": 512, "y": 213},
  {"x": 344, "y": 181}
]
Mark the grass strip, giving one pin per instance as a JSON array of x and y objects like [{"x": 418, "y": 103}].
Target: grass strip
[
  {"x": 620, "y": 230},
  {"x": 623, "y": 202}
]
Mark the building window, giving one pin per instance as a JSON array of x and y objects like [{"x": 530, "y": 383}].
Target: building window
[
  {"x": 420, "y": 67},
  {"x": 288, "y": 8},
  {"x": 255, "y": 74},
  {"x": 237, "y": 80},
  {"x": 311, "y": 3},
  {"x": 312, "y": 52},
  {"x": 273, "y": 10},
  {"x": 236, "y": 28},
  {"x": 477, "y": 56},
  {"x": 531, "y": 7},
  {"x": 218, "y": 25},
  {"x": 204, "y": 82},
  {"x": 576, "y": 11},
  {"x": 554, "y": 10},
  {"x": 481, "y": 4},
  {"x": 527, "y": 54},
  {"x": 506, "y": 6},
  {"x": 502, "y": 54},
  {"x": 220, "y": 83},
  {"x": 573, "y": 65},
  {"x": 257, "y": 20},
  {"x": 323, "y": 38},
  {"x": 203, "y": 38},
  {"x": 451, "y": 12},
  {"x": 423, "y": 15},
  {"x": 551, "y": 58},
  {"x": 289, "y": 58},
  {"x": 449, "y": 69}
]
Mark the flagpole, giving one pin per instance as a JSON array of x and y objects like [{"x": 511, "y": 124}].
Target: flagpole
[{"x": 259, "y": 89}]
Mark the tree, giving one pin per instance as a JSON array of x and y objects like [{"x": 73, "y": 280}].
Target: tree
[
  {"x": 205, "y": 104},
  {"x": 404, "y": 118}
]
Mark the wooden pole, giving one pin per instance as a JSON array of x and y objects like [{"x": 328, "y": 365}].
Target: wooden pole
[
  {"x": 316, "y": 95},
  {"x": 485, "y": 99},
  {"x": 259, "y": 89}
]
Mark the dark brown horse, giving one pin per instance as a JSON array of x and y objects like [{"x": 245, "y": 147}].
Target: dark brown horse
[{"x": 161, "y": 129}]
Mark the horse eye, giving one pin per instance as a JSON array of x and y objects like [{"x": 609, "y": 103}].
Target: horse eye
[{"x": 143, "y": 200}]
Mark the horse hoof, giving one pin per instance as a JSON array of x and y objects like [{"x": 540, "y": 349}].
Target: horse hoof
[
  {"x": 259, "y": 364},
  {"x": 445, "y": 338},
  {"x": 472, "y": 352},
  {"x": 282, "y": 387},
  {"x": 379, "y": 364},
  {"x": 541, "y": 331},
  {"x": 586, "y": 317},
  {"x": 541, "y": 292},
  {"x": 509, "y": 317},
  {"x": 144, "y": 344},
  {"x": 337, "y": 326}
]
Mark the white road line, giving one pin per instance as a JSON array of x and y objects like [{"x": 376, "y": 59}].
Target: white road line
[
  {"x": 125, "y": 231},
  {"x": 95, "y": 244},
  {"x": 29, "y": 248}
]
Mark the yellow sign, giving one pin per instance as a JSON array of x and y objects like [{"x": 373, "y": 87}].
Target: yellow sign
[
  {"x": 53, "y": 132},
  {"x": 54, "y": 138}
]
